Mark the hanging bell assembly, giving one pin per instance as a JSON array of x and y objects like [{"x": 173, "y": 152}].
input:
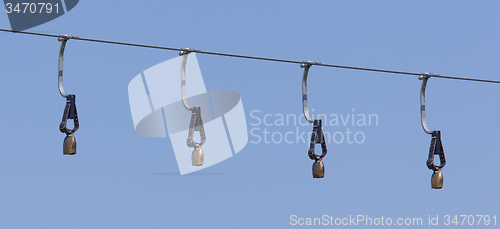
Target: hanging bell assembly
[
  {"x": 196, "y": 123},
  {"x": 317, "y": 137},
  {"x": 70, "y": 112},
  {"x": 436, "y": 147}
]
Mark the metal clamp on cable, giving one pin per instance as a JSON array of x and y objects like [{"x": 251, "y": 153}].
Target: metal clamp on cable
[
  {"x": 70, "y": 112},
  {"x": 317, "y": 136},
  {"x": 436, "y": 147},
  {"x": 65, "y": 37},
  {"x": 196, "y": 124},
  {"x": 185, "y": 51}
]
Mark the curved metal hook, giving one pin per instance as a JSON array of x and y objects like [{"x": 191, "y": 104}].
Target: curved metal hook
[
  {"x": 424, "y": 77},
  {"x": 63, "y": 39},
  {"x": 306, "y": 65},
  {"x": 184, "y": 53}
]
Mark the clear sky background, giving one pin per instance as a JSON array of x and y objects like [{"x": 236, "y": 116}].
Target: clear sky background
[{"x": 119, "y": 179}]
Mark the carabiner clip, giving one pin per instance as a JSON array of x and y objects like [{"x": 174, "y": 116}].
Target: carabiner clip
[
  {"x": 317, "y": 136},
  {"x": 196, "y": 123},
  {"x": 436, "y": 147},
  {"x": 70, "y": 112}
]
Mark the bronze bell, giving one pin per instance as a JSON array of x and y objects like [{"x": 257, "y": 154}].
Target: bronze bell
[
  {"x": 318, "y": 169},
  {"x": 437, "y": 180},
  {"x": 69, "y": 145},
  {"x": 197, "y": 157}
]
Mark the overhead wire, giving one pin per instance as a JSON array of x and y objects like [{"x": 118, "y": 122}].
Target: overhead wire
[{"x": 251, "y": 57}]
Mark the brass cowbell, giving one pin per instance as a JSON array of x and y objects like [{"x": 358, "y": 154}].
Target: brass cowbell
[
  {"x": 197, "y": 157},
  {"x": 437, "y": 180},
  {"x": 318, "y": 169},
  {"x": 69, "y": 145}
]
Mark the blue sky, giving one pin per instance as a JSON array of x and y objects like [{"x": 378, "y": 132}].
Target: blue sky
[{"x": 119, "y": 179}]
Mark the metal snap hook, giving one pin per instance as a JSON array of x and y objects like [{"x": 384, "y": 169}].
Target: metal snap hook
[
  {"x": 196, "y": 124},
  {"x": 436, "y": 147},
  {"x": 70, "y": 111},
  {"x": 317, "y": 136}
]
